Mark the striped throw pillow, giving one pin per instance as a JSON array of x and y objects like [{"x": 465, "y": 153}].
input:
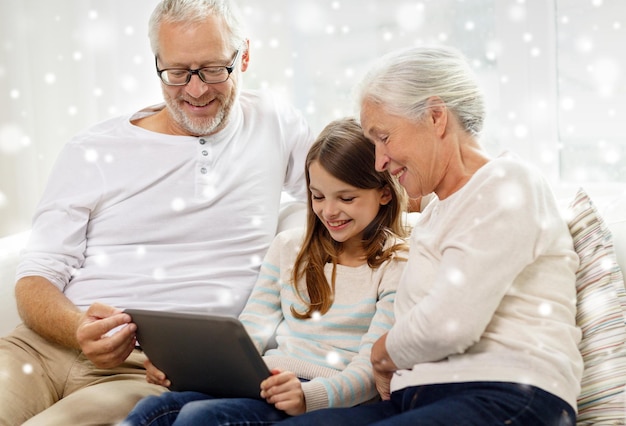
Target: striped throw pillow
[{"x": 601, "y": 315}]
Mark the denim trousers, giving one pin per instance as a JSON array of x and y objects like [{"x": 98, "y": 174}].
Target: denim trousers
[
  {"x": 194, "y": 408},
  {"x": 462, "y": 404}
]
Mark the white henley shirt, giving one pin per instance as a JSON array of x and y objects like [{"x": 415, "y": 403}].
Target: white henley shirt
[{"x": 138, "y": 219}]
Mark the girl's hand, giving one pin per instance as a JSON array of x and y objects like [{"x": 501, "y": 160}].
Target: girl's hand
[
  {"x": 284, "y": 391},
  {"x": 154, "y": 375}
]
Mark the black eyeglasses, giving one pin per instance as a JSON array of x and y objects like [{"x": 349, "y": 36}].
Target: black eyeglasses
[{"x": 209, "y": 75}]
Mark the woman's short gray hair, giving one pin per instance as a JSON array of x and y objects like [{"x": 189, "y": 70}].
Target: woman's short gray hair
[
  {"x": 193, "y": 12},
  {"x": 402, "y": 82}
]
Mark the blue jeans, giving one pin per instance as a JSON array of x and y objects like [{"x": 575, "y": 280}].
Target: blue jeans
[
  {"x": 464, "y": 404},
  {"x": 194, "y": 408}
]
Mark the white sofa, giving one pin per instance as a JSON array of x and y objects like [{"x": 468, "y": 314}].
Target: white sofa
[
  {"x": 9, "y": 251},
  {"x": 612, "y": 210}
]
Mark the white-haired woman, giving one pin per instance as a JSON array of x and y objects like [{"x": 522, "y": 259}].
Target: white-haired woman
[{"x": 485, "y": 329}]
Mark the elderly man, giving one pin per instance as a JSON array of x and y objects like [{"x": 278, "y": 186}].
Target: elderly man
[{"x": 171, "y": 208}]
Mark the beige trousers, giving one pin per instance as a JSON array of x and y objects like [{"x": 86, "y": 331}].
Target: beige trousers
[{"x": 46, "y": 384}]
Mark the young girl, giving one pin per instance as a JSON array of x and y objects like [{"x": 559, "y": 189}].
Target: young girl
[{"x": 325, "y": 293}]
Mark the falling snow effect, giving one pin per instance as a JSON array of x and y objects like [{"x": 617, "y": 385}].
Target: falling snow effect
[
  {"x": 559, "y": 108},
  {"x": 27, "y": 369},
  {"x": 332, "y": 357}
]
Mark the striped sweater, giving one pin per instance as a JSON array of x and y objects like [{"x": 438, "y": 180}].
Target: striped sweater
[{"x": 331, "y": 352}]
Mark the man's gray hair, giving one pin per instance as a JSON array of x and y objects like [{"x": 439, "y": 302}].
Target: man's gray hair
[{"x": 196, "y": 11}]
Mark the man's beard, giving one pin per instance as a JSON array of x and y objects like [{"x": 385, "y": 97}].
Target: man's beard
[{"x": 200, "y": 127}]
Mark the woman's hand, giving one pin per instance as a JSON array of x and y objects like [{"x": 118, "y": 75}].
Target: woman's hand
[
  {"x": 154, "y": 375},
  {"x": 284, "y": 391},
  {"x": 383, "y": 366}
]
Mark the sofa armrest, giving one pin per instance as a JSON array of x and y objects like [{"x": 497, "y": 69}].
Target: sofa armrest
[{"x": 9, "y": 255}]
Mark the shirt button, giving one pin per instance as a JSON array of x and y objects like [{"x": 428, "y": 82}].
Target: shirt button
[
  {"x": 203, "y": 170},
  {"x": 205, "y": 152},
  {"x": 202, "y": 141}
]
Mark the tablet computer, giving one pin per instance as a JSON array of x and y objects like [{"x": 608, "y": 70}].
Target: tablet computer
[{"x": 207, "y": 353}]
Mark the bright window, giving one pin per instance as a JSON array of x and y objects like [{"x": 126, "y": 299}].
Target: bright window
[{"x": 592, "y": 89}]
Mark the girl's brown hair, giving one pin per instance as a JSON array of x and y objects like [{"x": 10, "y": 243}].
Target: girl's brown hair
[{"x": 344, "y": 152}]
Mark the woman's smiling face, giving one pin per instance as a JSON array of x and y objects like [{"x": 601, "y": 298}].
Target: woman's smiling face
[{"x": 406, "y": 148}]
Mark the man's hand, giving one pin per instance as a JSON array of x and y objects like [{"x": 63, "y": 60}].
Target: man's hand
[
  {"x": 284, "y": 391},
  {"x": 383, "y": 367},
  {"x": 106, "y": 335}
]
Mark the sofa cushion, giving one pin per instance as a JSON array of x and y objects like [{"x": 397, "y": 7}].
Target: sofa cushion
[
  {"x": 614, "y": 215},
  {"x": 601, "y": 315}
]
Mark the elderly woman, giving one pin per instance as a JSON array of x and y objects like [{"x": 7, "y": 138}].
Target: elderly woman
[{"x": 485, "y": 329}]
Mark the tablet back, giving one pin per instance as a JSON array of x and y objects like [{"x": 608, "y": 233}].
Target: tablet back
[{"x": 207, "y": 353}]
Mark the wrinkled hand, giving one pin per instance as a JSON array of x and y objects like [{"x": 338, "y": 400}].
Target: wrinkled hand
[
  {"x": 155, "y": 376},
  {"x": 383, "y": 381},
  {"x": 98, "y": 340},
  {"x": 383, "y": 367},
  {"x": 284, "y": 391}
]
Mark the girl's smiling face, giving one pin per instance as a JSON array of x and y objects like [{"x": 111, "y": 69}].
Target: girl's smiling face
[{"x": 344, "y": 209}]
